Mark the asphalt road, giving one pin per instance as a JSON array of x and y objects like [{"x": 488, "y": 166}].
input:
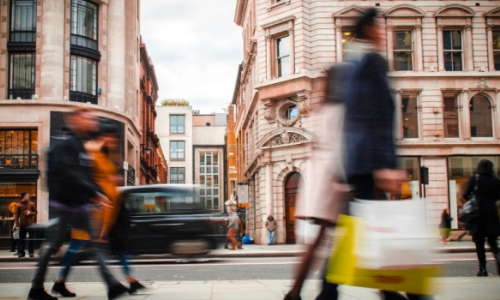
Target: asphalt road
[{"x": 457, "y": 265}]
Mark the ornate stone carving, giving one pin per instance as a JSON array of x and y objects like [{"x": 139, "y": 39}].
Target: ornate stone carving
[
  {"x": 269, "y": 110},
  {"x": 483, "y": 84},
  {"x": 287, "y": 138},
  {"x": 304, "y": 107}
]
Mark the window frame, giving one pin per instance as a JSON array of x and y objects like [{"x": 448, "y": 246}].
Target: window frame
[
  {"x": 415, "y": 95},
  {"x": 396, "y": 50},
  {"x": 82, "y": 40},
  {"x": 452, "y": 51},
  {"x": 25, "y": 36},
  {"x": 176, "y": 116},
  {"x": 280, "y": 69},
  {"x": 494, "y": 50},
  {"x": 21, "y": 92},
  {"x": 457, "y": 108},
  {"x": 175, "y": 172},
  {"x": 492, "y": 123},
  {"x": 274, "y": 31},
  {"x": 177, "y": 142},
  {"x": 76, "y": 93}
]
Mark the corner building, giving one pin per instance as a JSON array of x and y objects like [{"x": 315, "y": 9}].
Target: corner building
[
  {"x": 55, "y": 54},
  {"x": 444, "y": 60}
]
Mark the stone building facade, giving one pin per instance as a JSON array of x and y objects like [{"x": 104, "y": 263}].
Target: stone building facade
[
  {"x": 54, "y": 55},
  {"x": 444, "y": 59}
]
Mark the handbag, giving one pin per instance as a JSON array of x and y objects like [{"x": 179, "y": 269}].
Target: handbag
[
  {"x": 470, "y": 210},
  {"x": 15, "y": 234},
  {"x": 384, "y": 245}
]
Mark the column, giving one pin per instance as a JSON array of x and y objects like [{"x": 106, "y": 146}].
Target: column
[
  {"x": 390, "y": 46},
  {"x": 116, "y": 59},
  {"x": 339, "y": 45},
  {"x": 464, "y": 115},
  {"x": 489, "y": 43},
  {"x": 398, "y": 134},
  {"x": 468, "y": 47},
  {"x": 52, "y": 51},
  {"x": 269, "y": 188},
  {"x": 292, "y": 48},
  {"x": 269, "y": 47},
  {"x": 419, "y": 52},
  {"x": 440, "y": 48}
]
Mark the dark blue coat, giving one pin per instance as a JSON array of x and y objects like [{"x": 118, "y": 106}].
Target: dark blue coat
[
  {"x": 488, "y": 192},
  {"x": 369, "y": 118}
]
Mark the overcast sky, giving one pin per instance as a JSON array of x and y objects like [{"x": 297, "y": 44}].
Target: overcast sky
[{"x": 195, "y": 47}]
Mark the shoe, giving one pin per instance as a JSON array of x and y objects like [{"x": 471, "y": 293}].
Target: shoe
[
  {"x": 116, "y": 291},
  {"x": 482, "y": 271},
  {"x": 134, "y": 286},
  {"x": 60, "y": 288},
  {"x": 289, "y": 297},
  {"x": 40, "y": 294},
  {"x": 12, "y": 251},
  {"x": 21, "y": 255},
  {"x": 226, "y": 247},
  {"x": 32, "y": 255}
]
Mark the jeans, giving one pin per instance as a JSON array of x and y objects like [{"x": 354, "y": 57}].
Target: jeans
[
  {"x": 55, "y": 235},
  {"x": 271, "y": 237},
  {"x": 23, "y": 230}
]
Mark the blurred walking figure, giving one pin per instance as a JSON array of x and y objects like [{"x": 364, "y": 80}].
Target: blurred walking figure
[
  {"x": 369, "y": 125},
  {"x": 72, "y": 192},
  {"x": 232, "y": 227},
  {"x": 445, "y": 226},
  {"x": 487, "y": 225},
  {"x": 271, "y": 227},
  {"x": 24, "y": 217},
  {"x": 109, "y": 224}
]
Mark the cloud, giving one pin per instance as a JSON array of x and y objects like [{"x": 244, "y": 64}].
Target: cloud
[{"x": 195, "y": 47}]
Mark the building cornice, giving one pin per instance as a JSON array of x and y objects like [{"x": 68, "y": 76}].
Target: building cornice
[{"x": 241, "y": 6}]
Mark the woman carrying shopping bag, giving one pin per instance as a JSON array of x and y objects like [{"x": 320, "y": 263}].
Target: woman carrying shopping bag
[{"x": 486, "y": 187}]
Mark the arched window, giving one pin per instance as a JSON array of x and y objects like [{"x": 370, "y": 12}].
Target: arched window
[{"x": 480, "y": 117}]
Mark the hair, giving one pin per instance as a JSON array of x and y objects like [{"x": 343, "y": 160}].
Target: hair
[
  {"x": 23, "y": 194},
  {"x": 485, "y": 167},
  {"x": 443, "y": 213},
  {"x": 366, "y": 20}
]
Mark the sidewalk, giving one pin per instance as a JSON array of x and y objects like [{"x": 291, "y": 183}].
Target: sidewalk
[
  {"x": 450, "y": 288},
  {"x": 262, "y": 251}
]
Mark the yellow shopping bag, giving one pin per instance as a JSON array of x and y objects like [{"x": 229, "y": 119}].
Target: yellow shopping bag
[{"x": 344, "y": 269}]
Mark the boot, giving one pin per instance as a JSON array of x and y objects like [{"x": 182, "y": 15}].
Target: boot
[
  {"x": 482, "y": 271},
  {"x": 60, "y": 288},
  {"x": 497, "y": 260},
  {"x": 134, "y": 286},
  {"x": 39, "y": 294},
  {"x": 116, "y": 291}
]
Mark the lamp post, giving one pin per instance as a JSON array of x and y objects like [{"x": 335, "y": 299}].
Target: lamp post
[{"x": 146, "y": 148}]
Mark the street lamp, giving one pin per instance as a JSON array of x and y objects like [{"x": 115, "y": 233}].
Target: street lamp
[{"x": 147, "y": 148}]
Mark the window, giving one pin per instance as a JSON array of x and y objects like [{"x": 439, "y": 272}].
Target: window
[
  {"x": 177, "y": 123},
  {"x": 177, "y": 175},
  {"x": 450, "y": 117},
  {"x": 480, "y": 117},
  {"x": 18, "y": 149},
  {"x": 346, "y": 38},
  {"x": 411, "y": 188},
  {"x": 84, "y": 51},
  {"x": 84, "y": 24},
  {"x": 452, "y": 44},
  {"x": 160, "y": 202},
  {"x": 283, "y": 56},
  {"x": 23, "y": 21},
  {"x": 496, "y": 49},
  {"x": 22, "y": 49},
  {"x": 210, "y": 184},
  {"x": 83, "y": 79},
  {"x": 291, "y": 112},
  {"x": 22, "y": 75},
  {"x": 403, "y": 50},
  {"x": 177, "y": 149},
  {"x": 410, "y": 116}
]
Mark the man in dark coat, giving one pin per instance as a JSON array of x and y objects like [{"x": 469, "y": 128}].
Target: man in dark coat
[{"x": 24, "y": 217}]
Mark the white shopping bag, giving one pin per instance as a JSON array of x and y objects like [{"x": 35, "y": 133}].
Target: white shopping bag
[{"x": 394, "y": 234}]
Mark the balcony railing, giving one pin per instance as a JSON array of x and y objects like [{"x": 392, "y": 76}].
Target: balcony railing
[
  {"x": 82, "y": 97},
  {"x": 22, "y": 36},
  {"x": 9, "y": 162},
  {"x": 130, "y": 175},
  {"x": 21, "y": 93}
]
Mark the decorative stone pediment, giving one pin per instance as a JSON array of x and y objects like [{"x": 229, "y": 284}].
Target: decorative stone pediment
[
  {"x": 454, "y": 11},
  {"x": 284, "y": 136},
  {"x": 353, "y": 11},
  {"x": 404, "y": 11},
  {"x": 495, "y": 13}
]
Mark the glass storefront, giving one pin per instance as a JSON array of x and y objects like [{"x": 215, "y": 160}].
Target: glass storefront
[
  {"x": 460, "y": 170},
  {"x": 411, "y": 188},
  {"x": 10, "y": 195}
]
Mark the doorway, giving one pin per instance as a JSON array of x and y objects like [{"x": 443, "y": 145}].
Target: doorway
[{"x": 291, "y": 189}]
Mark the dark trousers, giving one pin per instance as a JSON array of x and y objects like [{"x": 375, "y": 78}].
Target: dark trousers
[
  {"x": 364, "y": 186},
  {"x": 55, "y": 236},
  {"x": 479, "y": 241},
  {"x": 23, "y": 230}
]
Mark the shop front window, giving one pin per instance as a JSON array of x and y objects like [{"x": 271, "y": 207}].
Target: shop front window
[
  {"x": 18, "y": 149},
  {"x": 411, "y": 188},
  {"x": 10, "y": 195},
  {"x": 460, "y": 170}
]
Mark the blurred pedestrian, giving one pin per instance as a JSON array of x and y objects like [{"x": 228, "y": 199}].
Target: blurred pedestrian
[
  {"x": 232, "y": 228},
  {"x": 110, "y": 224},
  {"x": 445, "y": 226},
  {"x": 324, "y": 194},
  {"x": 369, "y": 125},
  {"x": 13, "y": 241},
  {"x": 271, "y": 225},
  {"x": 486, "y": 225},
  {"x": 24, "y": 217},
  {"x": 72, "y": 192}
]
